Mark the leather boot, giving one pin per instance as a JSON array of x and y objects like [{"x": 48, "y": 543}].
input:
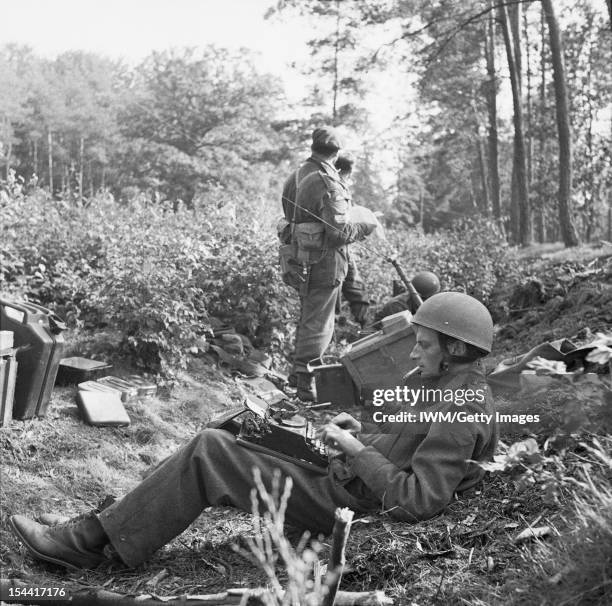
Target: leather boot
[
  {"x": 51, "y": 519},
  {"x": 76, "y": 544},
  {"x": 306, "y": 387}
]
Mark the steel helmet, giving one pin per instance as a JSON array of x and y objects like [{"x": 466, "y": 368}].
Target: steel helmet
[
  {"x": 459, "y": 316},
  {"x": 426, "y": 284}
]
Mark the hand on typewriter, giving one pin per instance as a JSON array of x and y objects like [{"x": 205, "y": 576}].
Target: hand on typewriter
[
  {"x": 348, "y": 422},
  {"x": 342, "y": 439}
]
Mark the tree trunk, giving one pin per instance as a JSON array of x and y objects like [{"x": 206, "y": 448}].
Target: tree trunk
[
  {"x": 81, "y": 154},
  {"x": 566, "y": 224},
  {"x": 525, "y": 235},
  {"x": 90, "y": 179},
  {"x": 593, "y": 196},
  {"x": 50, "y": 158},
  {"x": 513, "y": 16},
  {"x": 541, "y": 202},
  {"x": 9, "y": 147},
  {"x": 528, "y": 108},
  {"x": 483, "y": 174},
  {"x": 336, "y": 53},
  {"x": 514, "y": 203},
  {"x": 514, "y": 20},
  {"x": 491, "y": 96},
  {"x": 35, "y": 158}
]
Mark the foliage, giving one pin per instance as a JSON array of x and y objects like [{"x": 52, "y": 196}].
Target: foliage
[
  {"x": 152, "y": 272},
  {"x": 571, "y": 568},
  {"x": 586, "y": 406},
  {"x": 448, "y": 253},
  {"x": 196, "y": 119},
  {"x": 270, "y": 546},
  {"x": 51, "y": 250},
  {"x": 440, "y": 46},
  {"x": 174, "y": 126}
]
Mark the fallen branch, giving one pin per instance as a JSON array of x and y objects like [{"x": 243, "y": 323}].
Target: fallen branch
[
  {"x": 9, "y": 588},
  {"x": 13, "y": 591},
  {"x": 362, "y": 598},
  {"x": 342, "y": 528}
]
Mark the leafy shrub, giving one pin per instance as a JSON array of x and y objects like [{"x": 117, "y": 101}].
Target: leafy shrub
[
  {"x": 156, "y": 272},
  {"x": 51, "y": 250},
  {"x": 152, "y": 272},
  {"x": 168, "y": 270},
  {"x": 471, "y": 257}
]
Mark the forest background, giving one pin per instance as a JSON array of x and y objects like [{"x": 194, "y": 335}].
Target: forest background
[{"x": 144, "y": 198}]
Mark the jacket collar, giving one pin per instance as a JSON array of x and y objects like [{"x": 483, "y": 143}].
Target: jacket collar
[{"x": 323, "y": 164}]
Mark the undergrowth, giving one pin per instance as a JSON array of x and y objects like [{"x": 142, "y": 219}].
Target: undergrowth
[{"x": 155, "y": 274}]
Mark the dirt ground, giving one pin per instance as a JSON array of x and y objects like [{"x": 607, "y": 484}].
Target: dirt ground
[{"x": 467, "y": 555}]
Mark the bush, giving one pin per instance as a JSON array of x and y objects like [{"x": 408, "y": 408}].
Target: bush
[
  {"x": 156, "y": 272},
  {"x": 153, "y": 272},
  {"x": 471, "y": 257},
  {"x": 50, "y": 251}
]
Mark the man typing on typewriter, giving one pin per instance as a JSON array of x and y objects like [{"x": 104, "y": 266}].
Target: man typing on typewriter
[{"x": 411, "y": 470}]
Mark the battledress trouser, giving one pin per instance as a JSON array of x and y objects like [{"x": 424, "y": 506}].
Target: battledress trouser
[
  {"x": 212, "y": 469},
  {"x": 316, "y": 326}
]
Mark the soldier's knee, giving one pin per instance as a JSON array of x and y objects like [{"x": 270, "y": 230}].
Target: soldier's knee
[{"x": 211, "y": 440}]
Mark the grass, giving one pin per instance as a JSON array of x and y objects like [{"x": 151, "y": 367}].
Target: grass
[{"x": 466, "y": 556}]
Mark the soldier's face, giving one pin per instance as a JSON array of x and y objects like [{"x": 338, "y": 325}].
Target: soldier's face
[{"x": 427, "y": 352}]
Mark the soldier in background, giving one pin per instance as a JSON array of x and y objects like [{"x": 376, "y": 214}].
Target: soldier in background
[
  {"x": 316, "y": 205},
  {"x": 426, "y": 284},
  {"x": 352, "y": 288}
]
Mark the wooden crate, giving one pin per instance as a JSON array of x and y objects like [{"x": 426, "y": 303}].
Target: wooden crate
[{"x": 380, "y": 360}]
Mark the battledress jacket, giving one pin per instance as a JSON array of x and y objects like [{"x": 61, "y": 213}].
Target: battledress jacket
[
  {"x": 414, "y": 469},
  {"x": 322, "y": 197}
]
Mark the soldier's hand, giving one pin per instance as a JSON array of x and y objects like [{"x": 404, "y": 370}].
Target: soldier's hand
[
  {"x": 339, "y": 438},
  {"x": 348, "y": 422}
]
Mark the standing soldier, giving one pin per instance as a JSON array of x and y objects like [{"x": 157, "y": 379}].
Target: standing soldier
[
  {"x": 352, "y": 287},
  {"x": 316, "y": 205}
]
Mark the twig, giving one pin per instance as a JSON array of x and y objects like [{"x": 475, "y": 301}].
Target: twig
[
  {"x": 342, "y": 528},
  {"x": 440, "y": 585}
]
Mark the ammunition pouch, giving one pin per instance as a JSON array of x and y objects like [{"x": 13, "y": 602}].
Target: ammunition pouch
[
  {"x": 292, "y": 271},
  {"x": 283, "y": 231},
  {"x": 310, "y": 236}
]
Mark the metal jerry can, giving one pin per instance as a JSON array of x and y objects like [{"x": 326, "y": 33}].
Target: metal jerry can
[{"x": 40, "y": 346}]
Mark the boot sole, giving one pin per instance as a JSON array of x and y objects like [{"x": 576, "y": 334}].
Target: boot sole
[{"x": 38, "y": 554}]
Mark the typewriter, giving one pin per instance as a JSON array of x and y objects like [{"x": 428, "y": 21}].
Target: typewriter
[{"x": 255, "y": 428}]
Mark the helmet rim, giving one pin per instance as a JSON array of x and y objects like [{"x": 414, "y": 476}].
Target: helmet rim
[{"x": 476, "y": 324}]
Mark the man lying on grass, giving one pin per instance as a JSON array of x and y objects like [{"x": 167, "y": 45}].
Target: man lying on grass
[{"x": 410, "y": 469}]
